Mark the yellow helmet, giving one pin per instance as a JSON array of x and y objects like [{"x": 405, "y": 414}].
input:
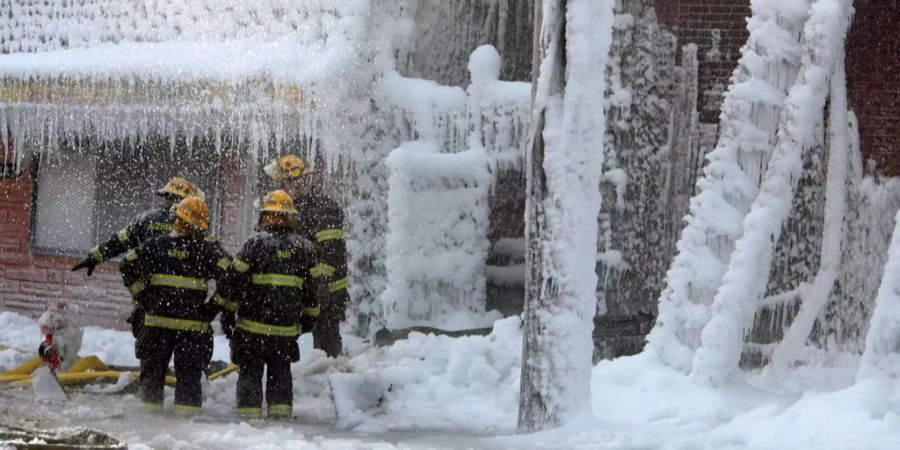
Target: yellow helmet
[
  {"x": 193, "y": 211},
  {"x": 278, "y": 202},
  {"x": 180, "y": 187},
  {"x": 285, "y": 168}
]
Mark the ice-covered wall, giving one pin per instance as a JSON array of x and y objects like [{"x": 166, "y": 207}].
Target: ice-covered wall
[
  {"x": 437, "y": 236},
  {"x": 447, "y": 31},
  {"x": 655, "y": 148}
]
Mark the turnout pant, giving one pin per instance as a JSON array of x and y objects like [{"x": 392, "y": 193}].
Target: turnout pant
[
  {"x": 255, "y": 354},
  {"x": 327, "y": 331},
  {"x": 192, "y": 351}
]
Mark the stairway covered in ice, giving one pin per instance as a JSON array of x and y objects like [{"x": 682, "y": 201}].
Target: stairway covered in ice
[{"x": 785, "y": 249}]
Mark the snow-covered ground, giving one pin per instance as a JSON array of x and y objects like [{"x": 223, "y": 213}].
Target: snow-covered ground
[{"x": 462, "y": 393}]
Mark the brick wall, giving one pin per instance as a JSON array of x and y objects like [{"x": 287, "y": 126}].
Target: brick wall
[
  {"x": 873, "y": 71},
  {"x": 29, "y": 281},
  {"x": 873, "y": 64},
  {"x": 719, "y": 29}
]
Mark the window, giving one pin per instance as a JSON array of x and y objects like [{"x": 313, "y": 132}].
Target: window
[{"x": 83, "y": 196}]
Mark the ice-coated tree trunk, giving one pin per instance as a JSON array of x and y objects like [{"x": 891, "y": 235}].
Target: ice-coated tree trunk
[{"x": 563, "y": 170}]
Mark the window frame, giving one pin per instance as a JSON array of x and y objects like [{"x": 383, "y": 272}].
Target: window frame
[{"x": 217, "y": 189}]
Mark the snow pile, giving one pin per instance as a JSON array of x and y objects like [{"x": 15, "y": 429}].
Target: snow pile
[
  {"x": 639, "y": 402},
  {"x": 767, "y": 68},
  {"x": 443, "y": 383},
  {"x": 468, "y": 387},
  {"x": 437, "y": 233}
]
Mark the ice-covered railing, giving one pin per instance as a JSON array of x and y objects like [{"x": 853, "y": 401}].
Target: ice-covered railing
[
  {"x": 880, "y": 357},
  {"x": 767, "y": 68},
  {"x": 495, "y": 113},
  {"x": 437, "y": 236},
  {"x": 29, "y": 26},
  {"x": 743, "y": 284}
]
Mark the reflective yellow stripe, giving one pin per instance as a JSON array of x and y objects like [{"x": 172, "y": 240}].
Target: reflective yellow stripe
[
  {"x": 266, "y": 329},
  {"x": 277, "y": 279},
  {"x": 123, "y": 234},
  {"x": 172, "y": 323},
  {"x": 211, "y": 238},
  {"x": 95, "y": 254},
  {"x": 148, "y": 405},
  {"x": 136, "y": 287},
  {"x": 312, "y": 311},
  {"x": 338, "y": 285},
  {"x": 225, "y": 303},
  {"x": 241, "y": 266},
  {"x": 188, "y": 408},
  {"x": 131, "y": 255},
  {"x": 176, "y": 281},
  {"x": 322, "y": 269},
  {"x": 250, "y": 413},
  {"x": 281, "y": 410},
  {"x": 224, "y": 263},
  {"x": 327, "y": 235}
]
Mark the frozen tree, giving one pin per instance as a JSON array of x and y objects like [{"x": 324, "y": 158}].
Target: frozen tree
[
  {"x": 768, "y": 66},
  {"x": 743, "y": 284},
  {"x": 563, "y": 199}
]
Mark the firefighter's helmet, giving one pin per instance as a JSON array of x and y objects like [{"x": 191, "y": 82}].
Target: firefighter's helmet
[
  {"x": 287, "y": 167},
  {"x": 181, "y": 188},
  {"x": 278, "y": 202},
  {"x": 193, "y": 211}
]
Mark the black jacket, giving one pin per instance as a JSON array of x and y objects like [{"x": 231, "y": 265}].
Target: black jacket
[
  {"x": 169, "y": 274},
  {"x": 273, "y": 281},
  {"x": 321, "y": 221},
  {"x": 148, "y": 224}
]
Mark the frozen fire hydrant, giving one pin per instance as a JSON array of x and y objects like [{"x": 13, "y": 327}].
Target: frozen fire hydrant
[{"x": 62, "y": 339}]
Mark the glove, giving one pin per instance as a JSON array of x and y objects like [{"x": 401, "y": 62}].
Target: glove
[
  {"x": 136, "y": 319},
  {"x": 227, "y": 321},
  {"x": 86, "y": 262},
  {"x": 307, "y": 323}
]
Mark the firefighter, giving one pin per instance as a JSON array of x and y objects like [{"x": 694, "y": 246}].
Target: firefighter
[
  {"x": 322, "y": 223},
  {"x": 168, "y": 276},
  {"x": 150, "y": 223},
  {"x": 275, "y": 304}
]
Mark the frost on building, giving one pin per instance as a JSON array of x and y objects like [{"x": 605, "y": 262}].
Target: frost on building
[
  {"x": 784, "y": 259},
  {"x": 101, "y": 101}
]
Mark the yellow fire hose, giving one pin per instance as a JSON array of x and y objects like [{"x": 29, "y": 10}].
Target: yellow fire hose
[{"x": 84, "y": 371}]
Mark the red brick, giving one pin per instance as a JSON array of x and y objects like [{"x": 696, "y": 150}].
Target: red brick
[{"x": 28, "y": 274}]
